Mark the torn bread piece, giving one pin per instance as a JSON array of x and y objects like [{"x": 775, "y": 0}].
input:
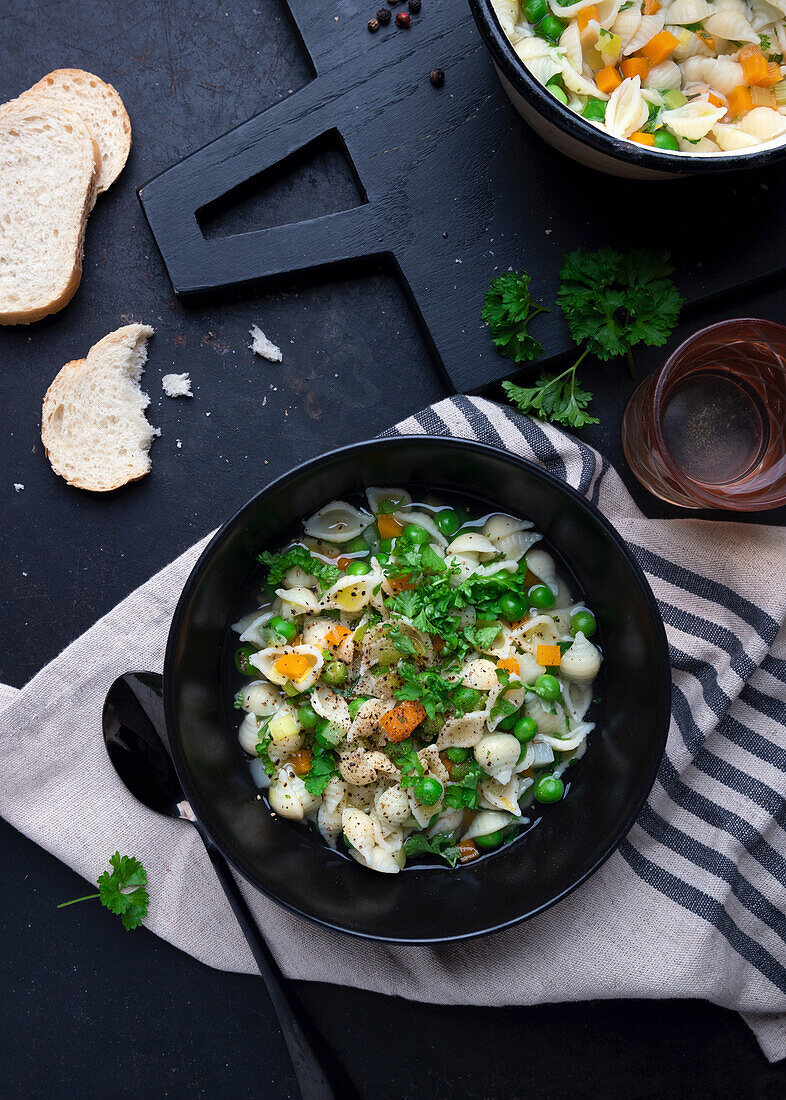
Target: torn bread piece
[
  {"x": 93, "y": 424},
  {"x": 177, "y": 385},
  {"x": 48, "y": 171},
  {"x": 264, "y": 347},
  {"x": 100, "y": 108}
]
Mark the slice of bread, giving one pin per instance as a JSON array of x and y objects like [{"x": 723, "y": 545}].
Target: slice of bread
[
  {"x": 48, "y": 173},
  {"x": 100, "y": 108},
  {"x": 93, "y": 423}
]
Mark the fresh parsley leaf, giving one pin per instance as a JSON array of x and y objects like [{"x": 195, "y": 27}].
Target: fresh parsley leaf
[
  {"x": 404, "y": 756},
  {"x": 464, "y": 794},
  {"x": 503, "y": 708},
  {"x": 482, "y": 637},
  {"x": 765, "y": 42},
  {"x": 426, "y": 687},
  {"x": 280, "y": 564},
  {"x": 263, "y": 748},
  {"x": 401, "y": 642},
  {"x": 323, "y": 768},
  {"x": 123, "y": 891},
  {"x": 507, "y": 310},
  {"x": 613, "y": 302},
  {"x": 238, "y": 701},
  {"x": 556, "y": 398},
  {"x": 443, "y": 844}
]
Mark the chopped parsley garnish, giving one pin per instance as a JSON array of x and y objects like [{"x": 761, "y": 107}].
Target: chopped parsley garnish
[
  {"x": 463, "y": 794},
  {"x": 426, "y": 687},
  {"x": 238, "y": 701},
  {"x": 443, "y": 844},
  {"x": 401, "y": 642},
  {"x": 123, "y": 891},
  {"x": 298, "y": 557},
  {"x": 323, "y": 768},
  {"x": 263, "y": 748}
]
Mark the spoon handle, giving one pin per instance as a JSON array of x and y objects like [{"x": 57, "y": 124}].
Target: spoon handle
[{"x": 318, "y": 1073}]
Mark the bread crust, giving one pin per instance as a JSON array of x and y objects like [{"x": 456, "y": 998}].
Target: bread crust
[{"x": 48, "y": 107}]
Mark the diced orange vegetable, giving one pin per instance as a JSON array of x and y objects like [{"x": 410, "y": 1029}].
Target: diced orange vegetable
[
  {"x": 586, "y": 15},
  {"x": 468, "y": 849},
  {"x": 708, "y": 39},
  {"x": 301, "y": 762},
  {"x": 608, "y": 79},
  {"x": 551, "y": 655},
  {"x": 642, "y": 139},
  {"x": 295, "y": 666},
  {"x": 509, "y": 664},
  {"x": 402, "y": 583},
  {"x": 650, "y": 7},
  {"x": 635, "y": 66},
  {"x": 343, "y": 562},
  {"x": 739, "y": 100},
  {"x": 773, "y": 75},
  {"x": 337, "y": 634},
  {"x": 399, "y": 722},
  {"x": 715, "y": 100},
  {"x": 763, "y": 97},
  {"x": 754, "y": 65},
  {"x": 389, "y": 526},
  {"x": 660, "y": 47}
]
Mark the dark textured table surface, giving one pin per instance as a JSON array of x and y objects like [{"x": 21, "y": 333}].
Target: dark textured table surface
[{"x": 86, "y": 1007}]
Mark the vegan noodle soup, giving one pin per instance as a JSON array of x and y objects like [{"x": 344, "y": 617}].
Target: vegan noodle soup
[
  {"x": 418, "y": 679},
  {"x": 680, "y": 76}
]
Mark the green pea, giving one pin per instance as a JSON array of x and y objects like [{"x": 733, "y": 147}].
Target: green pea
[
  {"x": 334, "y": 673},
  {"x": 583, "y": 621},
  {"x": 283, "y": 627},
  {"x": 665, "y": 140},
  {"x": 509, "y": 722},
  {"x": 457, "y": 756},
  {"x": 550, "y": 28},
  {"x": 466, "y": 698},
  {"x": 512, "y": 606},
  {"x": 416, "y": 534},
  {"x": 356, "y": 545},
  {"x": 382, "y": 557},
  {"x": 541, "y": 596},
  {"x": 535, "y": 10},
  {"x": 525, "y": 729},
  {"x": 448, "y": 522},
  {"x": 594, "y": 109},
  {"x": 386, "y": 545},
  {"x": 355, "y": 705},
  {"x": 489, "y": 840},
  {"x": 307, "y": 716},
  {"x": 428, "y": 790},
  {"x": 558, "y": 93},
  {"x": 549, "y": 789},
  {"x": 242, "y": 663},
  {"x": 358, "y": 568},
  {"x": 547, "y": 687}
]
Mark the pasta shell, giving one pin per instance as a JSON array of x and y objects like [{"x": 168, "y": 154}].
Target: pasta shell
[
  {"x": 693, "y": 120},
  {"x": 570, "y": 43},
  {"x": 252, "y": 630},
  {"x": 297, "y": 601},
  {"x": 266, "y": 659},
  {"x": 627, "y": 23},
  {"x": 581, "y": 662},
  {"x": 248, "y": 733},
  {"x": 261, "y": 698},
  {"x": 495, "y": 796},
  {"x": 329, "y": 824},
  {"x": 626, "y": 111},
  {"x": 361, "y": 768},
  {"x": 422, "y": 519},
  {"x": 352, "y": 594},
  {"x": 472, "y": 543},
  {"x": 332, "y": 706},
  {"x": 666, "y": 75},
  {"x": 464, "y": 732},
  {"x": 498, "y": 755},
  {"x": 763, "y": 123},
  {"x": 480, "y": 674},
  {"x": 689, "y": 11},
  {"x": 358, "y": 829},
  {"x": 732, "y": 25},
  {"x": 337, "y": 522},
  {"x": 376, "y": 495},
  {"x": 551, "y": 719},
  {"x": 542, "y": 565},
  {"x": 365, "y": 724},
  {"x": 488, "y": 821},
  {"x": 288, "y": 796},
  {"x": 392, "y": 806},
  {"x": 649, "y": 26},
  {"x": 730, "y": 138}
]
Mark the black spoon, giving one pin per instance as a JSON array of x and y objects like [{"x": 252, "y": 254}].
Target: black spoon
[{"x": 136, "y": 740}]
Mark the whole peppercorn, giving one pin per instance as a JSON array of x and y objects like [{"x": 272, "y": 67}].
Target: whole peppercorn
[
  {"x": 414, "y": 6},
  {"x": 383, "y": 15},
  {"x": 373, "y": 25},
  {"x": 437, "y": 77},
  {"x": 403, "y": 20}
]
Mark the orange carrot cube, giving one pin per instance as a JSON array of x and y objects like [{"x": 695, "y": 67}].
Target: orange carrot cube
[
  {"x": 551, "y": 655},
  {"x": 586, "y": 15},
  {"x": 295, "y": 666},
  {"x": 389, "y": 526},
  {"x": 660, "y": 47},
  {"x": 650, "y": 7},
  {"x": 509, "y": 664},
  {"x": 739, "y": 99},
  {"x": 754, "y": 65},
  {"x": 336, "y": 635},
  {"x": 635, "y": 66},
  {"x": 608, "y": 79},
  {"x": 399, "y": 722}
]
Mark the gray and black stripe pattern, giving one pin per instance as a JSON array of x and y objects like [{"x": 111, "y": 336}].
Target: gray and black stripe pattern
[{"x": 712, "y": 836}]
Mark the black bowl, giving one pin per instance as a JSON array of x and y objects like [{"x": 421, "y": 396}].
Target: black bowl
[
  {"x": 289, "y": 862},
  {"x": 579, "y": 139}
]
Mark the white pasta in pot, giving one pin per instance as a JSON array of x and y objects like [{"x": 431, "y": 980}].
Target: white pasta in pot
[
  {"x": 297, "y": 601},
  {"x": 731, "y": 25},
  {"x": 627, "y": 23},
  {"x": 337, "y": 522},
  {"x": 570, "y": 44},
  {"x": 581, "y": 662},
  {"x": 288, "y": 796},
  {"x": 763, "y": 124},
  {"x": 694, "y": 120},
  {"x": 252, "y": 631},
  {"x": 488, "y": 821},
  {"x": 664, "y": 76},
  {"x": 550, "y": 717},
  {"x": 498, "y": 755},
  {"x": 392, "y": 805},
  {"x": 732, "y": 137},
  {"x": 422, "y": 519},
  {"x": 649, "y": 26},
  {"x": 689, "y": 11},
  {"x": 260, "y": 698},
  {"x": 626, "y": 111},
  {"x": 267, "y": 660},
  {"x": 495, "y": 796}
]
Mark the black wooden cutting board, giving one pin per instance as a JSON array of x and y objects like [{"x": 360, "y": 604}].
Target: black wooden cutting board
[{"x": 453, "y": 189}]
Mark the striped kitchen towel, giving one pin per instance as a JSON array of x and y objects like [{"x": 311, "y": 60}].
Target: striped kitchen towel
[{"x": 692, "y": 903}]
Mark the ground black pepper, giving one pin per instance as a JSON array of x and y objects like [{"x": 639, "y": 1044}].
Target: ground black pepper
[
  {"x": 437, "y": 77},
  {"x": 373, "y": 25},
  {"x": 403, "y": 20},
  {"x": 384, "y": 16}
]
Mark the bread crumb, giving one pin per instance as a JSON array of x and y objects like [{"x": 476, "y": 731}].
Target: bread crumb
[
  {"x": 177, "y": 385},
  {"x": 178, "y": 443},
  {"x": 264, "y": 347},
  {"x": 18, "y": 487}
]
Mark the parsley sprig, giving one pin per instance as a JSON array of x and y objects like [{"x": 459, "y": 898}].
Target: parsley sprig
[
  {"x": 123, "y": 891},
  {"x": 611, "y": 302},
  {"x": 443, "y": 844},
  {"x": 280, "y": 564}
]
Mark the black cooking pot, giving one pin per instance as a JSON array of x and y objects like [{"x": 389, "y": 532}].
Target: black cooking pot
[{"x": 568, "y": 841}]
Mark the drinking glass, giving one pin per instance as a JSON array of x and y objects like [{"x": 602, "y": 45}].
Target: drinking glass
[{"x": 708, "y": 430}]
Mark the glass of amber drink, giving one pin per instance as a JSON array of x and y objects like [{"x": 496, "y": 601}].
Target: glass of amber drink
[{"x": 708, "y": 430}]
